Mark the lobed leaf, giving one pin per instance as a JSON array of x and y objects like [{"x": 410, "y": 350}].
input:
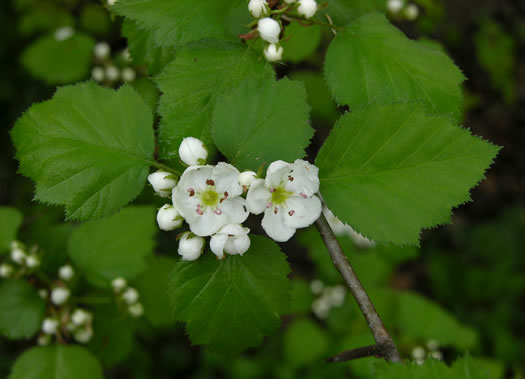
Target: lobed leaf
[{"x": 341, "y": 12}]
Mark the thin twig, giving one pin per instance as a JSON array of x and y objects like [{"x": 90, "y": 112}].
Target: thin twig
[{"x": 384, "y": 344}]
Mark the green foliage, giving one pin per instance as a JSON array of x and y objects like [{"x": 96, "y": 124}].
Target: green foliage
[
  {"x": 94, "y": 18},
  {"x": 300, "y": 42},
  {"x": 191, "y": 84},
  {"x": 42, "y": 17},
  {"x": 10, "y": 220},
  {"x": 304, "y": 342},
  {"x": 22, "y": 310},
  {"x": 344, "y": 11},
  {"x": 59, "y": 62},
  {"x": 175, "y": 23},
  {"x": 301, "y": 297},
  {"x": 231, "y": 304},
  {"x": 389, "y": 171},
  {"x": 88, "y": 148},
  {"x": 371, "y": 61},
  {"x": 261, "y": 122},
  {"x": 113, "y": 247},
  {"x": 57, "y": 362}
]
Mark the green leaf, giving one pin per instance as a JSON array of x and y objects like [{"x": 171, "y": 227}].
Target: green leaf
[
  {"x": 116, "y": 246},
  {"x": 22, "y": 309},
  {"x": 232, "y": 303},
  {"x": 57, "y": 362},
  {"x": 152, "y": 285},
  {"x": 59, "y": 62},
  {"x": 175, "y": 23},
  {"x": 299, "y": 42},
  {"x": 343, "y": 11},
  {"x": 143, "y": 49},
  {"x": 191, "y": 84},
  {"x": 389, "y": 171},
  {"x": 371, "y": 61},
  {"x": 261, "y": 122},
  {"x": 10, "y": 220},
  {"x": 304, "y": 343},
  {"x": 88, "y": 148}
]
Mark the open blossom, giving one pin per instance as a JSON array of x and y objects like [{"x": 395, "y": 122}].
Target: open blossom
[
  {"x": 208, "y": 197},
  {"x": 287, "y": 198},
  {"x": 231, "y": 239}
]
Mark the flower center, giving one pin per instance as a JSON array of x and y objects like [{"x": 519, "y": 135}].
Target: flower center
[
  {"x": 280, "y": 195},
  {"x": 209, "y": 197}
]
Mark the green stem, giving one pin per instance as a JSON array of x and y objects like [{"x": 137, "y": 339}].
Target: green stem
[{"x": 164, "y": 167}]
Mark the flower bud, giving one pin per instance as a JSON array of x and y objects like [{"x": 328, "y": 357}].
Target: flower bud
[
  {"x": 418, "y": 353},
  {"x": 190, "y": 246},
  {"x": 307, "y": 8},
  {"x": 32, "y": 261},
  {"x": 231, "y": 239},
  {"x": 192, "y": 151},
  {"x": 128, "y": 74},
  {"x": 273, "y": 53},
  {"x": 394, "y": 6},
  {"x": 66, "y": 272},
  {"x": 169, "y": 218},
  {"x": 59, "y": 295},
  {"x": 102, "y": 50},
  {"x": 246, "y": 178},
  {"x": 136, "y": 310},
  {"x": 269, "y": 29},
  {"x": 112, "y": 2},
  {"x": 6, "y": 270},
  {"x": 411, "y": 12},
  {"x": 81, "y": 317},
  {"x": 162, "y": 182},
  {"x": 18, "y": 255},
  {"x": 97, "y": 74},
  {"x": 119, "y": 284},
  {"x": 130, "y": 296},
  {"x": 112, "y": 73},
  {"x": 258, "y": 8},
  {"x": 50, "y": 326},
  {"x": 83, "y": 335},
  {"x": 43, "y": 340},
  {"x": 43, "y": 293},
  {"x": 316, "y": 286},
  {"x": 64, "y": 33}
]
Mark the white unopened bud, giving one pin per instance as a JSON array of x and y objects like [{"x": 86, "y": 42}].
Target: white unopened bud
[
  {"x": 43, "y": 340},
  {"x": 18, "y": 255},
  {"x": 130, "y": 296},
  {"x": 169, "y": 218},
  {"x": 432, "y": 345},
  {"x": 418, "y": 353},
  {"x": 6, "y": 270},
  {"x": 119, "y": 284},
  {"x": 102, "y": 50},
  {"x": 246, "y": 178},
  {"x": 128, "y": 74},
  {"x": 321, "y": 307},
  {"x": 112, "y": 2},
  {"x": 112, "y": 73},
  {"x": 81, "y": 317},
  {"x": 83, "y": 335},
  {"x": 136, "y": 310},
  {"x": 162, "y": 182},
  {"x": 97, "y": 74},
  {"x": 316, "y": 286},
  {"x": 66, "y": 272},
  {"x": 59, "y": 295},
  {"x": 192, "y": 151},
  {"x": 411, "y": 12},
  {"x": 269, "y": 29},
  {"x": 50, "y": 326},
  {"x": 43, "y": 293},
  {"x": 64, "y": 33},
  {"x": 307, "y": 8},
  {"x": 437, "y": 355},
  {"x": 258, "y": 8},
  {"x": 32, "y": 261},
  {"x": 273, "y": 53},
  {"x": 394, "y": 6},
  {"x": 190, "y": 246}
]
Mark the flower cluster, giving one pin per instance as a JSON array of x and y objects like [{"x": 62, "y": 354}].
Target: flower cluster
[
  {"x": 215, "y": 200},
  {"x": 111, "y": 70},
  {"x": 128, "y": 296},
  {"x": 328, "y": 298},
  {"x": 21, "y": 261},
  {"x": 269, "y": 24},
  {"x": 419, "y": 353},
  {"x": 400, "y": 9}
]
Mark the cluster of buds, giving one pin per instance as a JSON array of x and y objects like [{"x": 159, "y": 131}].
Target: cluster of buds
[
  {"x": 128, "y": 296},
  {"x": 20, "y": 261},
  {"x": 328, "y": 298},
  {"x": 431, "y": 350},
  {"x": 401, "y": 9},
  {"x": 268, "y": 15},
  {"x": 111, "y": 69}
]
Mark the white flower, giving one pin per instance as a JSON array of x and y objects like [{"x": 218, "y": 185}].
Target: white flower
[
  {"x": 119, "y": 284},
  {"x": 83, "y": 335},
  {"x": 190, "y": 246},
  {"x": 112, "y": 73},
  {"x": 192, "y": 151},
  {"x": 287, "y": 198},
  {"x": 50, "y": 326},
  {"x": 102, "y": 50},
  {"x": 59, "y": 295},
  {"x": 136, "y": 310},
  {"x": 81, "y": 317},
  {"x": 66, "y": 272},
  {"x": 246, "y": 178},
  {"x": 128, "y": 74},
  {"x": 64, "y": 33},
  {"x": 394, "y": 6},
  {"x": 307, "y": 8},
  {"x": 208, "y": 197},
  {"x": 5, "y": 270},
  {"x": 97, "y": 74},
  {"x": 32, "y": 261},
  {"x": 162, "y": 182},
  {"x": 411, "y": 12},
  {"x": 336, "y": 295},
  {"x": 232, "y": 239},
  {"x": 269, "y": 29},
  {"x": 316, "y": 286},
  {"x": 258, "y": 8},
  {"x": 418, "y": 353},
  {"x": 169, "y": 218},
  {"x": 18, "y": 255},
  {"x": 321, "y": 307},
  {"x": 273, "y": 53},
  {"x": 130, "y": 296}
]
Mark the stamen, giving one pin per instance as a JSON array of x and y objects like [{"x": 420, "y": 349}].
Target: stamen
[
  {"x": 290, "y": 178},
  {"x": 225, "y": 197},
  {"x": 275, "y": 210},
  {"x": 291, "y": 213},
  {"x": 269, "y": 204},
  {"x": 210, "y": 182},
  {"x": 191, "y": 191},
  {"x": 272, "y": 190},
  {"x": 199, "y": 210},
  {"x": 303, "y": 195},
  {"x": 217, "y": 211}
]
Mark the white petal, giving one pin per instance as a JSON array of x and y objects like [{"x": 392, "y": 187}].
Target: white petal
[
  {"x": 195, "y": 177},
  {"x": 258, "y": 196},
  {"x": 273, "y": 224},
  {"x": 217, "y": 243},
  {"x": 234, "y": 210},
  {"x": 234, "y": 230},
  {"x": 226, "y": 179},
  {"x": 237, "y": 245},
  {"x": 208, "y": 223},
  {"x": 301, "y": 212},
  {"x": 277, "y": 173},
  {"x": 186, "y": 204},
  {"x": 305, "y": 178}
]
